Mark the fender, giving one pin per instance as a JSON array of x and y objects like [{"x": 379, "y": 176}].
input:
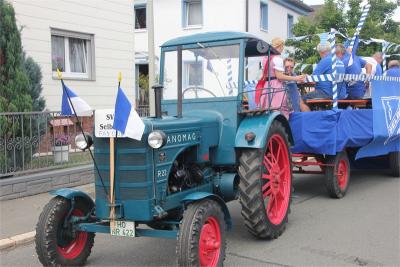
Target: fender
[
  {"x": 70, "y": 194},
  {"x": 260, "y": 126},
  {"x": 203, "y": 195}
]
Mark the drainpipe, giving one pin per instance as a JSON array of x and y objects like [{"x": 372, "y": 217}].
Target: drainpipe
[
  {"x": 247, "y": 16},
  {"x": 150, "y": 49}
]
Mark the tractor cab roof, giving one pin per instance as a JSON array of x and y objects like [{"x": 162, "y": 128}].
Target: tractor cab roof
[{"x": 254, "y": 45}]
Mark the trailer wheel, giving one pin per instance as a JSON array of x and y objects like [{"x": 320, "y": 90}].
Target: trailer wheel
[
  {"x": 337, "y": 177},
  {"x": 56, "y": 243},
  {"x": 394, "y": 162},
  {"x": 201, "y": 240},
  {"x": 265, "y": 186}
]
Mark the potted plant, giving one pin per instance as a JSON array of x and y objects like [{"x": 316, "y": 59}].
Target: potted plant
[{"x": 61, "y": 149}]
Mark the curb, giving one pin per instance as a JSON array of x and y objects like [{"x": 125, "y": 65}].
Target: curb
[{"x": 17, "y": 240}]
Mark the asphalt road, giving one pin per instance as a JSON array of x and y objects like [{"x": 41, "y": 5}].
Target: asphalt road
[{"x": 362, "y": 229}]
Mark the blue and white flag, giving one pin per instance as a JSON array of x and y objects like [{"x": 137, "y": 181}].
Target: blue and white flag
[
  {"x": 71, "y": 102},
  {"x": 386, "y": 120},
  {"x": 210, "y": 67},
  {"x": 126, "y": 119},
  {"x": 353, "y": 50}
]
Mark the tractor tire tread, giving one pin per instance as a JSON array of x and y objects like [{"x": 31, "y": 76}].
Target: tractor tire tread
[
  {"x": 394, "y": 162},
  {"x": 330, "y": 178},
  {"x": 45, "y": 243},
  {"x": 187, "y": 248},
  {"x": 250, "y": 195}
]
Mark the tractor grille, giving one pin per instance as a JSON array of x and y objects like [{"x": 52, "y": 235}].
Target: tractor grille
[{"x": 133, "y": 172}]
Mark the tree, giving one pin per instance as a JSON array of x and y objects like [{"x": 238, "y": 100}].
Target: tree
[
  {"x": 14, "y": 82},
  {"x": 20, "y": 88},
  {"x": 32, "y": 69},
  {"x": 344, "y": 17}
]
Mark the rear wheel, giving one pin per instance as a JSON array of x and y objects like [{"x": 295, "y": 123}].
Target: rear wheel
[
  {"x": 57, "y": 243},
  {"x": 337, "y": 177},
  {"x": 201, "y": 240},
  {"x": 266, "y": 185},
  {"x": 394, "y": 162}
]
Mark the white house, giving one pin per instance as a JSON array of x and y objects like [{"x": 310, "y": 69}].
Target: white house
[
  {"x": 91, "y": 41},
  {"x": 172, "y": 18}
]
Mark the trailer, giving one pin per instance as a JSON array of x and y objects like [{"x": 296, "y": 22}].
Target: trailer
[{"x": 332, "y": 142}]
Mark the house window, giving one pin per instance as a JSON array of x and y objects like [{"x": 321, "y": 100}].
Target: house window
[
  {"x": 140, "y": 17},
  {"x": 73, "y": 54},
  {"x": 193, "y": 73},
  {"x": 264, "y": 16},
  {"x": 192, "y": 13},
  {"x": 290, "y": 25}
]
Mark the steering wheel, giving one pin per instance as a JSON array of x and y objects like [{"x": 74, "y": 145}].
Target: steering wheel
[{"x": 195, "y": 89}]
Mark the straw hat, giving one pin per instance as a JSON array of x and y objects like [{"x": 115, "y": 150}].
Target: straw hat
[{"x": 277, "y": 42}]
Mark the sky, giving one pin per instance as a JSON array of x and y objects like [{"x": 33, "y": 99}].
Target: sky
[{"x": 317, "y": 2}]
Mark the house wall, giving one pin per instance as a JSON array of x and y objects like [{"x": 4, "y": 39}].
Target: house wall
[
  {"x": 277, "y": 20},
  {"x": 111, "y": 23},
  {"x": 217, "y": 16},
  {"x": 168, "y": 21}
]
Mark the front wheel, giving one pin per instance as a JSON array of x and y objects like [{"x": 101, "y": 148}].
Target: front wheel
[
  {"x": 201, "y": 240},
  {"x": 266, "y": 185},
  {"x": 337, "y": 176},
  {"x": 57, "y": 243}
]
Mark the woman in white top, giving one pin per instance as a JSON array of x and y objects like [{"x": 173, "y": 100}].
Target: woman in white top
[{"x": 277, "y": 77}]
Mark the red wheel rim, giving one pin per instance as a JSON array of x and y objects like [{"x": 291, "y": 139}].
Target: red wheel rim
[
  {"x": 75, "y": 246},
  {"x": 276, "y": 179},
  {"x": 342, "y": 174},
  {"x": 210, "y": 242}
]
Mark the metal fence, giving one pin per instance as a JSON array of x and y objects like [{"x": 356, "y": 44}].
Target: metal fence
[
  {"x": 36, "y": 141},
  {"x": 143, "y": 110}
]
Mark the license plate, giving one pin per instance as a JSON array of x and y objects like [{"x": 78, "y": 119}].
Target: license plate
[{"x": 122, "y": 228}]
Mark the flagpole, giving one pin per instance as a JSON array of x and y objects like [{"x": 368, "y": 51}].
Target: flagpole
[
  {"x": 113, "y": 150},
  {"x": 83, "y": 133}
]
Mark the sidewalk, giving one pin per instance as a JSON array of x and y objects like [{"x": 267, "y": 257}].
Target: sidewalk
[{"x": 19, "y": 216}]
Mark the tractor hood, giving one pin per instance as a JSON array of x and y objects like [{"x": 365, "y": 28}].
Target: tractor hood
[{"x": 193, "y": 129}]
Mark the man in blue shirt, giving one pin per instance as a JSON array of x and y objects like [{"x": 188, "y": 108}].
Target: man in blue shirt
[
  {"x": 355, "y": 89},
  {"x": 394, "y": 69},
  {"x": 323, "y": 89}
]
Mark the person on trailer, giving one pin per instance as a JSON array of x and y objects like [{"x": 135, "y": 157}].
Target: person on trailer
[
  {"x": 323, "y": 89},
  {"x": 277, "y": 77},
  {"x": 393, "y": 68},
  {"x": 293, "y": 92},
  {"x": 375, "y": 61},
  {"x": 355, "y": 89}
]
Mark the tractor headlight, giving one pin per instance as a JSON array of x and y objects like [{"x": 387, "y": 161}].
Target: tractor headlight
[
  {"x": 83, "y": 141},
  {"x": 157, "y": 139}
]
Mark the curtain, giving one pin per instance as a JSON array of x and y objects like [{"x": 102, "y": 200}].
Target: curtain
[
  {"x": 57, "y": 53},
  {"x": 78, "y": 55},
  {"x": 140, "y": 18},
  {"x": 194, "y": 13}
]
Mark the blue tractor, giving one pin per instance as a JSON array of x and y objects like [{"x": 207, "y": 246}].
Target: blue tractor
[{"x": 204, "y": 147}]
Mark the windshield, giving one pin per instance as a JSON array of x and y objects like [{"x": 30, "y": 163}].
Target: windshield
[{"x": 206, "y": 72}]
